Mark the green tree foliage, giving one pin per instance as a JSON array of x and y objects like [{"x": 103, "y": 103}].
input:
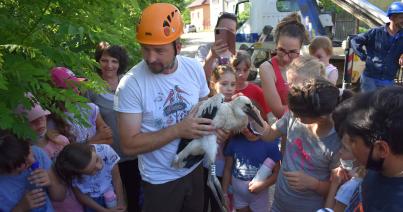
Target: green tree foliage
[
  {"x": 244, "y": 14},
  {"x": 38, "y": 35},
  {"x": 328, "y": 5},
  {"x": 186, "y": 11}
]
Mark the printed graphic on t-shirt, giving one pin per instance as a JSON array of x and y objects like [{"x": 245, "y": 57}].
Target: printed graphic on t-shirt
[
  {"x": 244, "y": 169},
  {"x": 302, "y": 156},
  {"x": 96, "y": 185},
  {"x": 355, "y": 204},
  {"x": 175, "y": 106}
]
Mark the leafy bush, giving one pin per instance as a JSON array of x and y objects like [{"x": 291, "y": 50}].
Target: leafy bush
[{"x": 39, "y": 35}]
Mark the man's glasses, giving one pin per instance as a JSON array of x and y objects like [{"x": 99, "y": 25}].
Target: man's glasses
[{"x": 290, "y": 54}]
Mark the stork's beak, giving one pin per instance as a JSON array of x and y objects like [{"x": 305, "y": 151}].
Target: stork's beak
[{"x": 251, "y": 113}]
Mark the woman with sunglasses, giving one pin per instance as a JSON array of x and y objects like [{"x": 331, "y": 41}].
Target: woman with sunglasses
[{"x": 290, "y": 34}]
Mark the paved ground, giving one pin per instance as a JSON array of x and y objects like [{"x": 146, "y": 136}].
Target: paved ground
[{"x": 191, "y": 41}]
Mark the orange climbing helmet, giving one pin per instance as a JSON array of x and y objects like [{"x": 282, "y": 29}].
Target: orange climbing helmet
[{"x": 159, "y": 24}]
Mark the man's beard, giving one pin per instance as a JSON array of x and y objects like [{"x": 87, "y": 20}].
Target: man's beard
[
  {"x": 376, "y": 165},
  {"x": 163, "y": 68}
]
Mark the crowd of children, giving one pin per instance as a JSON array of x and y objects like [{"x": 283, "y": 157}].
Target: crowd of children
[{"x": 339, "y": 151}]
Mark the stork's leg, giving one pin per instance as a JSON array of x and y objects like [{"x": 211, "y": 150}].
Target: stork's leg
[
  {"x": 193, "y": 148},
  {"x": 210, "y": 147},
  {"x": 214, "y": 184}
]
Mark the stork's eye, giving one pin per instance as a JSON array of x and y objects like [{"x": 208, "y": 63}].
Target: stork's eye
[{"x": 248, "y": 106}]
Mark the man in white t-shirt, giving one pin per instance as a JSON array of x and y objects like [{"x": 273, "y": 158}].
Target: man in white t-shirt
[{"x": 154, "y": 101}]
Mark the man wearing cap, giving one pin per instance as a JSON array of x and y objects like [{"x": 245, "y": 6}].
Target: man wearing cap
[
  {"x": 383, "y": 47},
  {"x": 154, "y": 101}
]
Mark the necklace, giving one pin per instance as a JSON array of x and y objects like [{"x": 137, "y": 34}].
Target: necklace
[{"x": 112, "y": 85}]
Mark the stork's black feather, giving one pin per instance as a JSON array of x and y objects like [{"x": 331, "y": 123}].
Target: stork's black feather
[{"x": 208, "y": 113}]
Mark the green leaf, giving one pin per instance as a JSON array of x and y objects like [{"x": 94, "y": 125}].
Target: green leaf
[{"x": 38, "y": 35}]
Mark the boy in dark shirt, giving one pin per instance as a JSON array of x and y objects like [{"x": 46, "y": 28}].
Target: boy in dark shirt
[{"x": 375, "y": 133}]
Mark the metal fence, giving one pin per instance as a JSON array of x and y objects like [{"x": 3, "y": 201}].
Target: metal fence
[{"x": 344, "y": 26}]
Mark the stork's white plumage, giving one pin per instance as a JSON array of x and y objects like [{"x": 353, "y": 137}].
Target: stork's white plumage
[{"x": 230, "y": 116}]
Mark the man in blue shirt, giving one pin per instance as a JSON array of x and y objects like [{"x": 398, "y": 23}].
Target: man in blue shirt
[{"x": 383, "y": 48}]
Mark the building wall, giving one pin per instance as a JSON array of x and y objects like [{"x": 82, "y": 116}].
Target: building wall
[
  {"x": 196, "y": 17},
  {"x": 219, "y": 6},
  {"x": 206, "y": 18},
  {"x": 200, "y": 17}
]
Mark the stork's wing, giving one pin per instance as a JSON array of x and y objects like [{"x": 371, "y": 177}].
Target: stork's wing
[
  {"x": 191, "y": 159},
  {"x": 208, "y": 109}
]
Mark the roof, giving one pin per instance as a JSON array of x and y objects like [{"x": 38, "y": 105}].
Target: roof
[{"x": 197, "y": 3}]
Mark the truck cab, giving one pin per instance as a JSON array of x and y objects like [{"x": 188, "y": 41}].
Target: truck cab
[
  {"x": 264, "y": 15},
  {"x": 260, "y": 15}
]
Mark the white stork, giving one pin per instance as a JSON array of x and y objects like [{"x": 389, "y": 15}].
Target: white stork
[{"x": 230, "y": 116}]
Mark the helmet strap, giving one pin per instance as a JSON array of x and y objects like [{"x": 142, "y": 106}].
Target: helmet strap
[
  {"x": 173, "y": 63},
  {"x": 174, "y": 44},
  {"x": 174, "y": 58}
]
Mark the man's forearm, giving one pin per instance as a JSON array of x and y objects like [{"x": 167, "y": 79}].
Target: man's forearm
[
  {"x": 150, "y": 141},
  {"x": 356, "y": 44}
]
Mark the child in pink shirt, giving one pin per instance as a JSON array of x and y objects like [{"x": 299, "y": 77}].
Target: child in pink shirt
[{"x": 52, "y": 143}]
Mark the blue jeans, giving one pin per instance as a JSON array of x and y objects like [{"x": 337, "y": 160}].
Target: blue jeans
[{"x": 370, "y": 84}]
